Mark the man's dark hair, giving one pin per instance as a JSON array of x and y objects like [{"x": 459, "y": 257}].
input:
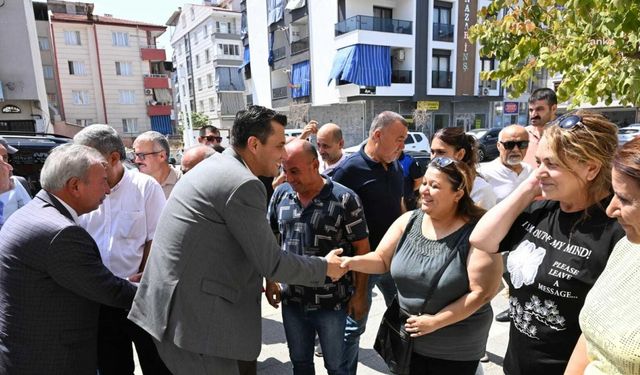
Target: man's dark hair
[
  {"x": 254, "y": 121},
  {"x": 210, "y": 128},
  {"x": 545, "y": 94}
]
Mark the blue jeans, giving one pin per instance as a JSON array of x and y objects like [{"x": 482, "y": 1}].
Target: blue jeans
[
  {"x": 353, "y": 330},
  {"x": 300, "y": 327}
]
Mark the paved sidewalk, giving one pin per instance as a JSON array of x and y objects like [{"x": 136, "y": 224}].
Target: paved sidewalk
[{"x": 274, "y": 357}]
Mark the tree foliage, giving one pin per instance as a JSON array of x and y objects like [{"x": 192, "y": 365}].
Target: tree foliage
[
  {"x": 593, "y": 44},
  {"x": 199, "y": 120}
]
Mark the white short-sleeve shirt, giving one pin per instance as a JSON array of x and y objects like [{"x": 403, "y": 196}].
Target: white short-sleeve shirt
[
  {"x": 125, "y": 221},
  {"x": 503, "y": 180},
  {"x": 14, "y": 198}
]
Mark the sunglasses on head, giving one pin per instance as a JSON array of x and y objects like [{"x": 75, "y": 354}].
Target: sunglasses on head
[
  {"x": 212, "y": 138},
  {"x": 568, "y": 121},
  {"x": 441, "y": 162},
  {"x": 509, "y": 145}
]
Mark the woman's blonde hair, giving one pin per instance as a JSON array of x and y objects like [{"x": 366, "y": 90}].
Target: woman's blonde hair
[{"x": 593, "y": 138}]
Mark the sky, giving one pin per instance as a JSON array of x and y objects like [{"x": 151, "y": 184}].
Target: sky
[{"x": 150, "y": 11}]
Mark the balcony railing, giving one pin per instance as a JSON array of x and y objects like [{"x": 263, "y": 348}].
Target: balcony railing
[
  {"x": 443, "y": 32},
  {"x": 300, "y": 45},
  {"x": 279, "y": 53},
  {"x": 441, "y": 80},
  {"x": 280, "y": 93},
  {"x": 400, "y": 76},
  {"x": 385, "y": 25}
]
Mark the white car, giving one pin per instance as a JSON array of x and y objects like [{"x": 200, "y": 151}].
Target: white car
[
  {"x": 628, "y": 133},
  {"x": 416, "y": 142}
]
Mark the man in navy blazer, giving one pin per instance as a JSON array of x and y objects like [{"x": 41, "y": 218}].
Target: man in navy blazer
[{"x": 52, "y": 280}]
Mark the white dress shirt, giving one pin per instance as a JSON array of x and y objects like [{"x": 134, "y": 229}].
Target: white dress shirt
[
  {"x": 74, "y": 214},
  {"x": 14, "y": 198},
  {"x": 125, "y": 221},
  {"x": 482, "y": 193},
  {"x": 326, "y": 167},
  {"x": 503, "y": 180}
]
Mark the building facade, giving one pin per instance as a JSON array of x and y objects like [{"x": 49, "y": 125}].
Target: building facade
[
  {"x": 208, "y": 54},
  {"x": 23, "y": 97},
  {"x": 344, "y": 61},
  {"x": 106, "y": 70}
]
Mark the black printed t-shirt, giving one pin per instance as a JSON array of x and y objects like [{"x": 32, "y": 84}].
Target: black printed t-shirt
[{"x": 555, "y": 258}]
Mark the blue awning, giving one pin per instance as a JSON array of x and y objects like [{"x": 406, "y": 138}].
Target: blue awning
[
  {"x": 363, "y": 64},
  {"x": 301, "y": 79},
  {"x": 161, "y": 124},
  {"x": 246, "y": 59}
]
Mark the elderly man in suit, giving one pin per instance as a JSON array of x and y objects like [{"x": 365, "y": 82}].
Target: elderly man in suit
[
  {"x": 52, "y": 280},
  {"x": 200, "y": 293}
]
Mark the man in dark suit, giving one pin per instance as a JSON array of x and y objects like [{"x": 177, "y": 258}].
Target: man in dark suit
[
  {"x": 200, "y": 292},
  {"x": 52, "y": 280}
]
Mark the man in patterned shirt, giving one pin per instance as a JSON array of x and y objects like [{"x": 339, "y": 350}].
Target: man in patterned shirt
[{"x": 314, "y": 215}]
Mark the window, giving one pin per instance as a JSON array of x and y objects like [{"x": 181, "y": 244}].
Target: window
[
  {"x": 127, "y": 96},
  {"x": 197, "y": 61},
  {"x": 44, "y": 44},
  {"x": 207, "y": 56},
  {"x": 193, "y": 14},
  {"x": 80, "y": 97},
  {"x": 76, "y": 68},
  {"x": 209, "y": 80},
  {"x": 442, "y": 27},
  {"x": 195, "y": 37},
  {"x": 441, "y": 76},
  {"x": 120, "y": 39},
  {"x": 72, "y": 38},
  {"x": 183, "y": 91},
  {"x": 205, "y": 31},
  {"x": 379, "y": 12},
  {"x": 212, "y": 105},
  {"x": 200, "y": 106},
  {"x": 183, "y": 21},
  {"x": 84, "y": 122},
  {"x": 48, "y": 71},
  {"x": 442, "y": 14},
  {"x": 229, "y": 49},
  {"x": 52, "y": 99},
  {"x": 123, "y": 68},
  {"x": 199, "y": 84},
  {"x": 129, "y": 125}
]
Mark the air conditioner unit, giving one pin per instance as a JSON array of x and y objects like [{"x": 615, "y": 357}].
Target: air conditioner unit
[
  {"x": 294, "y": 33},
  {"x": 148, "y": 91},
  {"x": 399, "y": 54}
]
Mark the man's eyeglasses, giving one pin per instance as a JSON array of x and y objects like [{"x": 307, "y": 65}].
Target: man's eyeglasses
[
  {"x": 211, "y": 138},
  {"x": 568, "y": 121},
  {"x": 143, "y": 155},
  {"x": 441, "y": 162},
  {"x": 509, "y": 145}
]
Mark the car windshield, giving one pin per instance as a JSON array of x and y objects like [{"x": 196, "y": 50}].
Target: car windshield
[{"x": 628, "y": 131}]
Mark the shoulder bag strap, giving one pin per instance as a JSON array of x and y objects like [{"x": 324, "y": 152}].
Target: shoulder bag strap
[{"x": 454, "y": 252}]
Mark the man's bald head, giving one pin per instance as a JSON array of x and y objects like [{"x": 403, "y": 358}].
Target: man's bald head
[
  {"x": 513, "y": 141},
  {"x": 194, "y": 155},
  {"x": 330, "y": 142},
  {"x": 301, "y": 148},
  {"x": 301, "y": 166}
]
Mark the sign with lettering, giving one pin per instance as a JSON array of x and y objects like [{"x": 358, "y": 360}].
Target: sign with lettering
[
  {"x": 428, "y": 105},
  {"x": 466, "y": 50},
  {"x": 510, "y": 108}
]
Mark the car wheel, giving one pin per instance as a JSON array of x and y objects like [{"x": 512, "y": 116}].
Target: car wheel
[{"x": 481, "y": 155}]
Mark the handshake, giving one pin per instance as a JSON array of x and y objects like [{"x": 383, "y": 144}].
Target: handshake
[{"x": 337, "y": 266}]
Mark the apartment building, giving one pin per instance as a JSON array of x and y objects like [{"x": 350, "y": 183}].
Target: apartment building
[
  {"x": 346, "y": 60},
  {"x": 208, "y": 54},
  {"x": 23, "y": 98},
  {"x": 106, "y": 70}
]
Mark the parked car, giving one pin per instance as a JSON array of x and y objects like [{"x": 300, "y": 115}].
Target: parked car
[
  {"x": 32, "y": 152},
  {"x": 628, "y": 133},
  {"x": 415, "y": 142},
  {"x": 487, "y": 143}
]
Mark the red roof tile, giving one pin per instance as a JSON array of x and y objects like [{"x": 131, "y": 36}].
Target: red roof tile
[{"x": 63, "y": 17}]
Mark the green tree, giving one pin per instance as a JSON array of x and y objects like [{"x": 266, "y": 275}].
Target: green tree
[
  {"x": 593, "y": 44},
  {"x": 199, "y": 120}
]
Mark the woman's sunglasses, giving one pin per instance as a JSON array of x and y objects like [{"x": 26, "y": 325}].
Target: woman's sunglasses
[
  {"x": 441, "y": 162},
  {"x": 568, "y": 121}
]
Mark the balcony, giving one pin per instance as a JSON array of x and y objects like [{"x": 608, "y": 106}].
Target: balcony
[
  {"x": 279, "y": 53},
  {"x": 401, "y": 76},
  {"x": 385, "y": 25},
  {"x": 299, "y": 46},
  {"x": 158, "y": 110},
  {"x": 233, "y": 34},
  {"x": 441, "y": 80},
  {"x": 156, "y": 81},
  {"x": 443, "y": 32},
  {"x": 152, "y": 53},
  {"x": 280, "y": 93}
]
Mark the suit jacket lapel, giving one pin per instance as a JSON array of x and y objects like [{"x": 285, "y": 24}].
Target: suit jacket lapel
[{"x": 49, "y": 198}]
